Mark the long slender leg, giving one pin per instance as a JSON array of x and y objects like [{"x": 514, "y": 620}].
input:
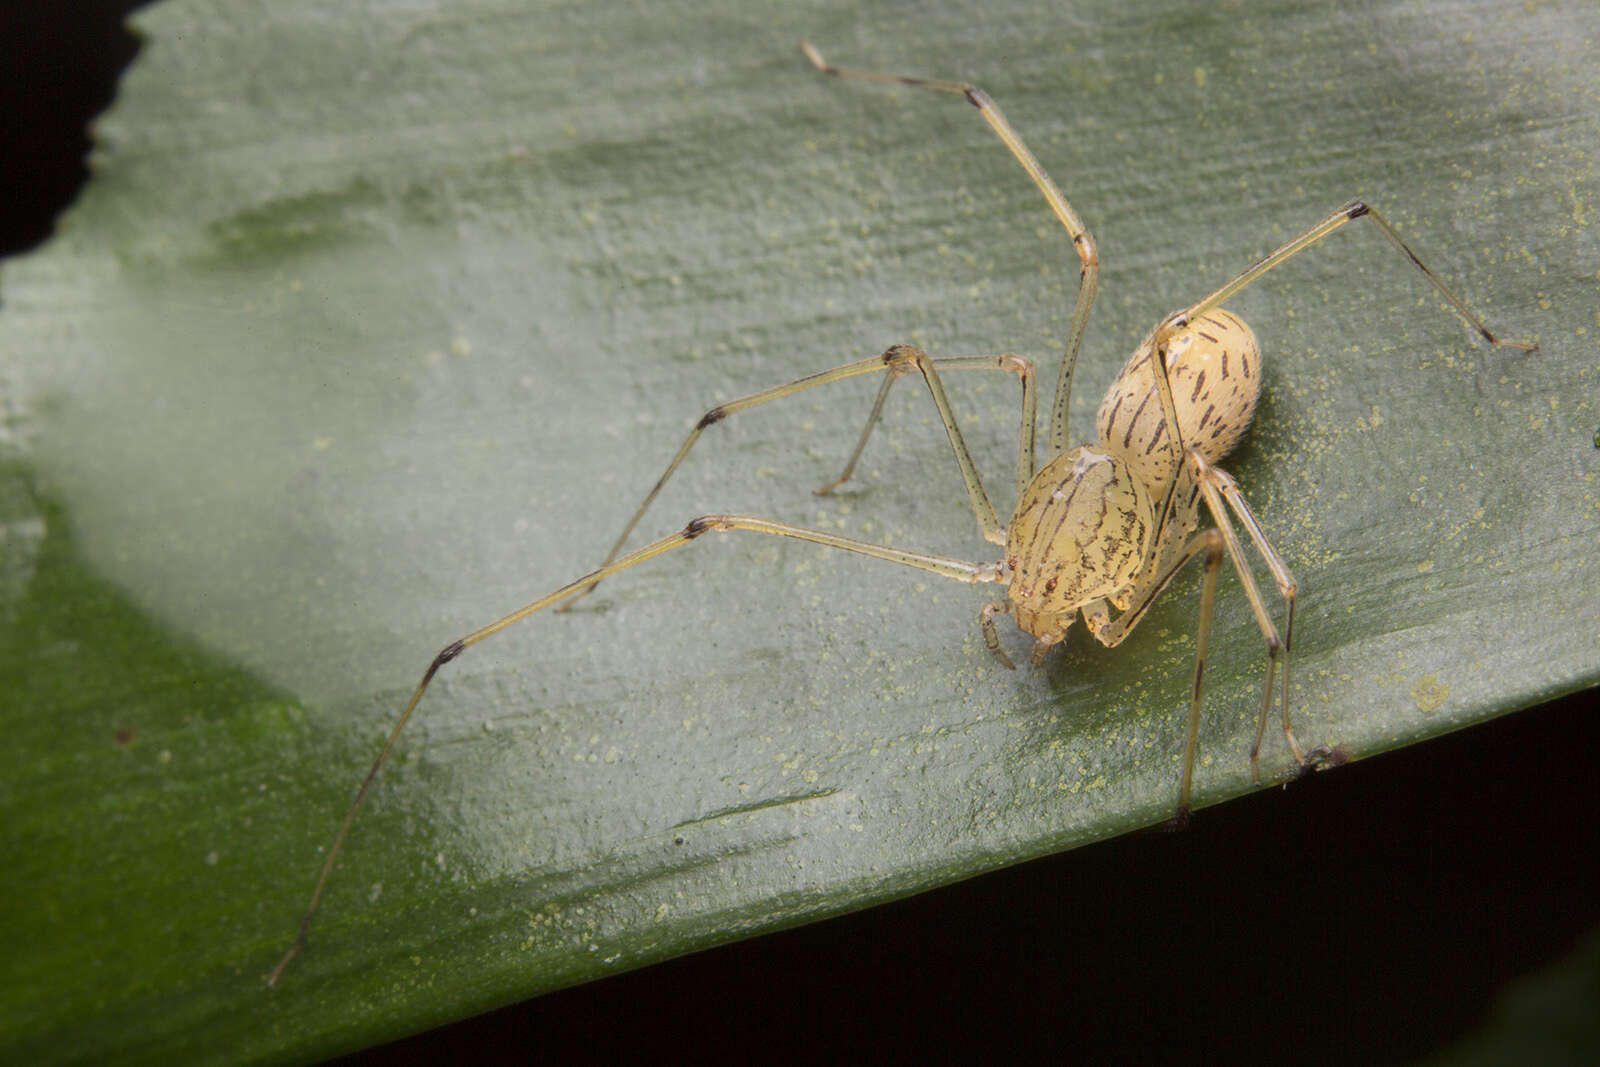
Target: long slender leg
[
  {"x": 945, "y": 567},
  {"x": 1215, "y": 485},
  {"x": 1355, "y": 209},
  {"x": 1205, "y": 541},
  {"x": 1286, "y": 586},
  {"x": 1082, "y": 243},
  {"x": 873, "y": 416},
  {"x": 1006, "y": 362},
  {"x": 897, "y": 360},
  {"x": 1110, "y": 633},
  {"x": 981, "y": 507},
  {"x": 716, "y": 415}
]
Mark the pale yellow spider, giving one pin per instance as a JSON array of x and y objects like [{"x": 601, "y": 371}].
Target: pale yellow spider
[{"x": 1099, "y": 528}]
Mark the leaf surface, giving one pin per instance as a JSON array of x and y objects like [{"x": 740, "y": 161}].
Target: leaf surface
[{"x": 375, "y": 324}]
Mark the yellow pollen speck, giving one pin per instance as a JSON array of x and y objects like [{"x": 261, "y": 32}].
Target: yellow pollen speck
[{"x": 1429, "y": 693}]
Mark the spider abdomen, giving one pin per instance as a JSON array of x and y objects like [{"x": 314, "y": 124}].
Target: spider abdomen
[{"x": 1214, "y": 366}]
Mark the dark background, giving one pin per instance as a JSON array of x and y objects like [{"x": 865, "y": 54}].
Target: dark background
[{"x": 1368, "y": 915}]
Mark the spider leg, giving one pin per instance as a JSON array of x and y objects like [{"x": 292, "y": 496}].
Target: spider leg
[
  {"x": 1217, "y": 486},
  {"x": 1209, "y": 542},
  {"x": 1019, "y": 366},
  {"x": 1355, "y": 209},
  {"x": 896, "y": 360},
  {"x": 1287, "y": 587},
  {"x": 991, "y": 639},
  {"x": 1082, "y": 242},
  {"x": 945, "y": 567}
]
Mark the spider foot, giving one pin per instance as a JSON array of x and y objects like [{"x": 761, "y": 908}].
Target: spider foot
[
  {"x": 1321, "y": 758},
  {"x": 1324, "y": 757}
]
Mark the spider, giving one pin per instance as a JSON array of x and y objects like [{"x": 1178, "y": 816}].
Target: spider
[{"x": 1099, "y": 528}]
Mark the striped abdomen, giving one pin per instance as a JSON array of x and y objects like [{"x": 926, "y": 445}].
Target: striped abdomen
[{"x": 1214, "y": 366}]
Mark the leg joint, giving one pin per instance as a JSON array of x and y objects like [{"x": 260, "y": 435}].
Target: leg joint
[
  {"x": 1086, "y": 250},
  {"x": 1021, "y": 366},
  {"x": 696, "y": 527},
  {"x": 448, "y": 653},
  {"x": 900, "y": 359}
]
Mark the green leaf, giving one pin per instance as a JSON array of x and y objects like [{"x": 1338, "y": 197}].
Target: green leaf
[{"x": 374, "y": 325}]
